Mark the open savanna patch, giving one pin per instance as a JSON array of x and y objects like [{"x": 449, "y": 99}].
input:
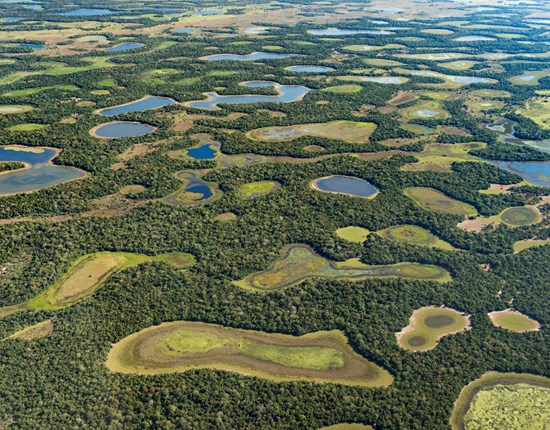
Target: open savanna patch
[
  {"x": 520, "y": 216},
  {"x": 432, "y": 199},
  {"x": 439, "y": 157},
  {"x": 428, "y": 325},
  {"x": 36, "y": 331},
  {"x": 428, "y": 109},
  {"x": 256, "y": 189},
  {"x": 298, "y": 262},
  {"x": 349, "y": 131},
  {"x": 181, "y": 346},
  {"x": 521, "y": 245},
  {"x": 514, "y": 321},
  {"x": 414, "y": 235},
  {"x": 353, "y": 234},
  {"x": 538, "y": 110},
  {"x": 14, "y": 109}
]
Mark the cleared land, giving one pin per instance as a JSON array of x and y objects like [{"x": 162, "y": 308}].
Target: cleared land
[
  {"x": 353, "y": 234},
  {"x": 521, "y": 245},
  {"x": 299, "y": 262},
  {"x": 508, "y": 401},
  {"x": 428, "y": 325},
  {"x": 514, "y": 321},
  {"x": 349, "y": 131},
  {"x": 414, "y": 235},
  {"x": 36, "y": 331},
  {"x": 180, "y": 346},
  {"x": 256, "y": 189},
  {"x": 88, "y": 274},
  {"x": 432, "y": 199}
]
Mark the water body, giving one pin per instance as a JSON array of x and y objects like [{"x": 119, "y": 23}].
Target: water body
[
  {"x": 473, "y": 39},
  {"x": 255, "y": 30},
  {"x": 310, "y": 69},
  {"x": 125, "y": 47},
  {"x": 537, "y": 173},
  {"x": 456, "y": 79},
  {"x": 287, "y": 94},
  {"x": 250, "y": 57},
  {"x": 204, "y": 152},
  {"x": 184, "y": 30},
  {"x": 386, "y": 80},
  {"x": 117, "y": 129},
  {"x": 33, "y": 7},
  {"x": 206, "y": 12},
  {"x": 346, "y": 185},
  {"x": 505, "y": 128},
  {"x": 11, "y": 19},
  {"x": 32, "y": 46},
  {"x": 426, "y": 113},
  {"x": 88, "y": 12},
  {"x": 340, "y": 32},
  {"x": 144, "y": 104},
  {"x": 40, "y": 173}
]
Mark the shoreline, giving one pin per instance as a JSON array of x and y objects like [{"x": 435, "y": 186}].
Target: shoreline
[
  {"x": 93, "y": 131},
  {"x": 148, "y": 96},
  {"x": 313, "y": 185}
]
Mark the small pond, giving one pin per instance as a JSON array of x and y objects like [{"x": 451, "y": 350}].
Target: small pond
[
  {"x": 31, "y": 45},
  {"x": 39, "y": 174},
  {"x": 146, "y": 103},
  {"x": 203, "y": 152},
  {"x": 250, "y": 57},
  {"x": 345, "y": 185},
  {"x": 310, "y": 69},
  {"x": 117, "y": 129},
  {"x": 206, "y": 12},
  {"x": 537, "y": 173},
  {"x": 88, "y": 12},
  {"x": 125, "y": 47},
  {"x": 473, "y": 39}
]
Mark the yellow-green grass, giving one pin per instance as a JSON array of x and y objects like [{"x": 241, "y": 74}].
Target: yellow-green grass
[
  {"x": 36, "y": 331},
  {"x": 427, "y": 109},
  {"x": 132, "y": 189},
  {"x": 439, "y": 157},
  {"x": 27, "y": 127},
  {"x": 298, "y": 262},
  {"x": 347, "y": 426},
  {"x": 89, "y": 273},
  {"x": 428, "y": 325},
  {"x": 477, "y": 106},
  {"x": 458, "y": 65},
  {"x": 514, "y": 321},
  {"x": 381, "y": 62},
  {"x": 260, "y": 188},
  {"x": 100, "y": 92},
  {"x": 225, "y": 217},
  {"x": 521, "y": 245},
  {"x": 510, "y": 36},
  {"x": 435, "y": 200},
  {"x": 14, "y": 109},
  {"x": 272, "y": 48},
  {"x": 439, "y": 31},
  {"x": 449, "y": 81},
  {"x": 32, "y": 91},
  {"x": 510, "y": 401},
  {"x": 530, "y": 78},
  {"x": 538, "y": 110},
  {"x": 437, "y": 95},
  {"x": 349, "y": 131},
  {"x": 414, "y": 235},
  {"x": 180, "y": 346},
  {"x": 109, "y": 83},
  {"x": 513, "y": 217},
  {"x": 19, "y": 148},
  {"x": 370, "y": 48},
  {"x": 343, "y": 89},
  {"x": 155, "y": 77},
  {"x": 223, "y": 73},
  {"x": 353, "y": 234},
  {"x": 491, "y": 93}
]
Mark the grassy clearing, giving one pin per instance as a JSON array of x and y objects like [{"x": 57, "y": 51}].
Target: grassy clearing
[
  {"x": 414, "y": 235},
  {"x": 349, "y": 131},
  {"x": 491, "y": 94},
  {"x": 14, "y": 109},
  {"x": 428, "y": 325},
  {"x": 180, "y": 346},
  {"x": 521, "y": 245},
  {"x": 512, "y": 217},
  {"x": 32, "y": 91},
  {"x": 343, "y": 89},
  {"x": 132, "y": 189},
  {"x": 256, "y": 189},
  {"x": 530, "y": 78},
  {"x": 299, "y": 262},
  {"x": 226, "y": 216},
  {"x": 439, "y": 157},
  {"x": 475, "y": 106},
  {"x": 432, "y": 199},
  {"x": 88, "y": 274},
  {"x": 509, "y": 401},
  {"x": 538, "y": 110},
  {"x": 380, "y": 62},
  {"x": 370, "y": 48},
  {"x": 347, "y": 426},
  {"x": 27, "y": 127},
  {"x": 428, "y": 109},
  {"x": 437, "y": 56},
  {"x": 382, "y": 80},
  {"x": 353, "y": 234},
  {"x": 513, "y": 321},
  {"x": 36, "y": 331},
  {"x": 458, "y": 65}
]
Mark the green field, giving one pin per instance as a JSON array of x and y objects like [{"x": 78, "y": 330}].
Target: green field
[
  {"x": 349, "y": 131},
  {"x": 353, "y": 234},
  {"x": 14, "y": 109},
  {"x": 256, "y": 189},
  {"x": 538, "y": 110},
  {"x": 181, "y": 346},
  {"x": 370, "y": 48},
  {"x": 440, "y": 157},
  {"x": 513, "y": 321},
  {"x": 27, "y": 127},
  {"x": 299, "y": 262},
  {"x": 520, "y": 216},
  {"x": 32, "y": 91},
  {"x": 428, "y": 325},
  {"x": 435, "y": 200},
  {"x": 428, "y": 109},
  {"x": 521, "y": 245},
  {"x": 508, "y": 401},
  {"x": 343, "y": 89},
  {"x": 458, "y": 65},
  {"x": 530, "y": 78},
  {"x": 414, "y": 235}
]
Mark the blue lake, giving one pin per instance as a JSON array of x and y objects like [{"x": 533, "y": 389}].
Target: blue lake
[
  {"x": 537, "y": 173},
  {"x": 88, "y": 12},
  {"x": 144, "y": 104},
  {"x": 339, "y": 32},
  {"x": 125, "y": 47},
  {"x": 31, "y": 45},
  {"x": 117, "y": 129},
  {"x": 310, "y": 69},
  {"x": 204, "y": 152},
  {"x": 473, "y": 39},
  {"x": 250, "y": 57},
  {"x": 40, "y": 173},
  {"x": 505, "y": 128},
  {"x": 287, "y": 94},
  {"x": 207, "y": 12},
  {"x": 346, "y": 185},
  {"x": 184, "y": 30}
]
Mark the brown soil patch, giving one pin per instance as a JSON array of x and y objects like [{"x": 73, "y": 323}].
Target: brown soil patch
[
  {"x": 402, "y": 97},
  {"x": 454, "y": 131},
  {"x": 473, "y": 225},
  {"x": 186, "y": 121},
  {"x": 227, "y": 216}
]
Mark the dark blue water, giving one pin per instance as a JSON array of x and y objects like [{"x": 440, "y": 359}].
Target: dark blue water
[
  {"x": 31, "y": 45},
  {"x": 204, "y": 152},
  {"x": 125, "y": 47},
  {"x": 113, "y": 130},
  {"x": 535, "y": 173},
  {"x": 200, "y": 189},
  {"x": 287, "y": 94},
  {"x": 39, "y": 175},
  {"x": 310, "y": 69},
  {"x": 250, "y": 57},
  {"x": 88, "y": 12},
  {"x": 138, "y": 106},
  {"x": 346, "y": 185}
]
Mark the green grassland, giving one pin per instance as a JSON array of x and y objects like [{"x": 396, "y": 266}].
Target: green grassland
[
  {"x": 538, "y": 110},
  {"x": 414, "y": 235},
  {"x": 440, "y": 157},
  {"x": 353, "y": 234},
  {"x": 349, "y": 131},
  {"x": 370, "y": 48},
  {"x": 432, "y": 199},
  {"x": 529, "y": 78},
  {"x": 299, "y": 263},
  {"x": 429, "y": 109},
  {"x": 521, "y": 245},
  {"x": 256, "y": 189},
  {"x": 32, "y": 91},
  {"x": 180, "y": 346},
  {"x": 513, "y": 321},
  {"x": 428, "y": 325},
  {"x": 458, "y": 65},
  {"x": 503, "y": 401},
  {"x": 343, "y": 89},
  {"x": 14, "y": 109},
  {"x": 27, "y": 127}
]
